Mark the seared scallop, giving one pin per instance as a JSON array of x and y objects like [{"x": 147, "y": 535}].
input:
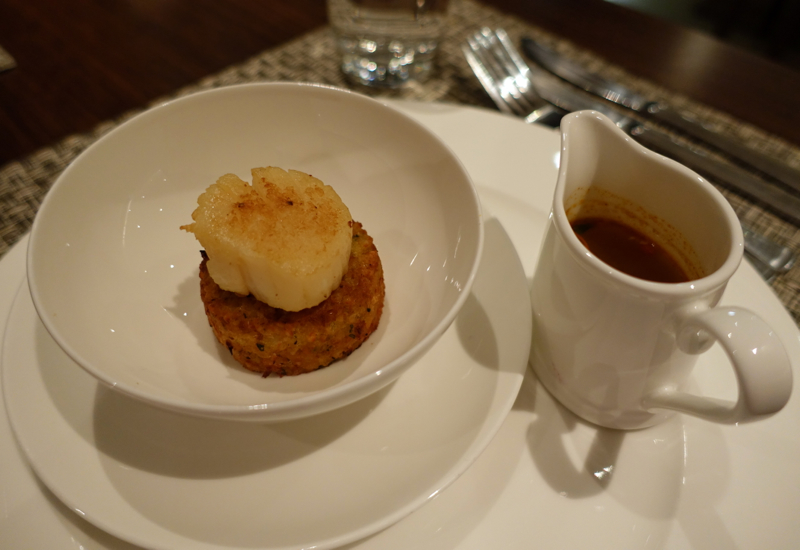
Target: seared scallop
[{"x": 285, "y": 238}]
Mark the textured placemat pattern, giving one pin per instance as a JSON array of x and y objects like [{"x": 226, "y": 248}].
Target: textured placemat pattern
[{"x": 312, "y": 58}]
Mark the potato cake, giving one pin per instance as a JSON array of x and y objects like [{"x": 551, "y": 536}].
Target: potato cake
[{"x": 269, "y": 340}]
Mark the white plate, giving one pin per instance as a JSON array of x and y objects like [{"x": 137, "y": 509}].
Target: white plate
[
  {"x": 169, "y": 481},
  {"x": 546, "y": 480}
]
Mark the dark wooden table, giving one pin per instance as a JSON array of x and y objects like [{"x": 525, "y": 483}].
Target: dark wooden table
[{"x": 86, "y": 61}]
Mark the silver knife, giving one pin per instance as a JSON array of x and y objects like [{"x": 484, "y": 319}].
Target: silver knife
[
  {"x": 570, "y": 99},
  {"x": 658, "y": 112}
]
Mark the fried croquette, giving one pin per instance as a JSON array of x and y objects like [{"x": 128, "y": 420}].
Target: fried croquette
[{"x": 269, "y": 340}]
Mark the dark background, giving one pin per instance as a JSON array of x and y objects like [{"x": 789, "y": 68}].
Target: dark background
[{"x": 86, "y": 61}]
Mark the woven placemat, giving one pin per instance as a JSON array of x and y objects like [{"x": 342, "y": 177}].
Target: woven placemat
[{"x": 312, "y": 58}]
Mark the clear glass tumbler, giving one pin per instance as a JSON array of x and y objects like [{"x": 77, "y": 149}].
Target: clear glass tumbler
[{"x": 387, "y": 43}]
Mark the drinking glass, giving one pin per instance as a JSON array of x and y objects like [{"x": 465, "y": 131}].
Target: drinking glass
[{"x": 387, "y": 43}]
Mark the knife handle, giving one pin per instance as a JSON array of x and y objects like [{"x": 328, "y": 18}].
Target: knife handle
[
  {"x": 733, "y": 148},
  {"x": 774, "y": 256},
  {"x": 779, "y": 199}
]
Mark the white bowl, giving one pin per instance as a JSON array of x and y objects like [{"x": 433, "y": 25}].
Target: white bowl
[{"x": 115, "y": 281}]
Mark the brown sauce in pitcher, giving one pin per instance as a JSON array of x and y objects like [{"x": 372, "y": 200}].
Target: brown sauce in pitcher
[{"x": 628, "y": 250}]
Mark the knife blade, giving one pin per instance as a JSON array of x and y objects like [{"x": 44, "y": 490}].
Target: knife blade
[
  {"x": 570, "y": 99},
  {"x": 658, "y": 112}
]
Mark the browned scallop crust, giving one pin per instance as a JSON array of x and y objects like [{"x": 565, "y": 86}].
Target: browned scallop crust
[{"x": 274, "y": 341}]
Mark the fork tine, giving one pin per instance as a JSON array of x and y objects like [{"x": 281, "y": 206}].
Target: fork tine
[
  {"x": 513, "y": 54},
  {"x": 486, "y": 79},
  {"x": 513, "y": 65},
  {"x": 505, "y": 73},
  {"x": 506, "y": 77},
  {"x": 494, "y": 74},
  {"x": 516, "y": 72},
  {"x": 494, "y": 77}
]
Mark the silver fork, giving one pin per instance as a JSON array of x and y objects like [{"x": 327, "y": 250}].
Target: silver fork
[{"x": 506, "y": 78}]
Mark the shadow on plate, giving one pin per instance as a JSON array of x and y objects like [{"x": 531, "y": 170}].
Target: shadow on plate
[
  {"x": 80, "y": 533},
  {"x": 176, "y": 445},
  {"x": 159, "y": 441},
  {"x": 476, "y": 334},
  {"x": 652, "y": 472}
]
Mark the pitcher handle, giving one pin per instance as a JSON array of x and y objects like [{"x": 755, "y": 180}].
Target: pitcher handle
[{"x": 760, "y": 361}]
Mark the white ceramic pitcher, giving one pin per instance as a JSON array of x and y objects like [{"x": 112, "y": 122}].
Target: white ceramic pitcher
[{"x": 618, "y": 350}]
